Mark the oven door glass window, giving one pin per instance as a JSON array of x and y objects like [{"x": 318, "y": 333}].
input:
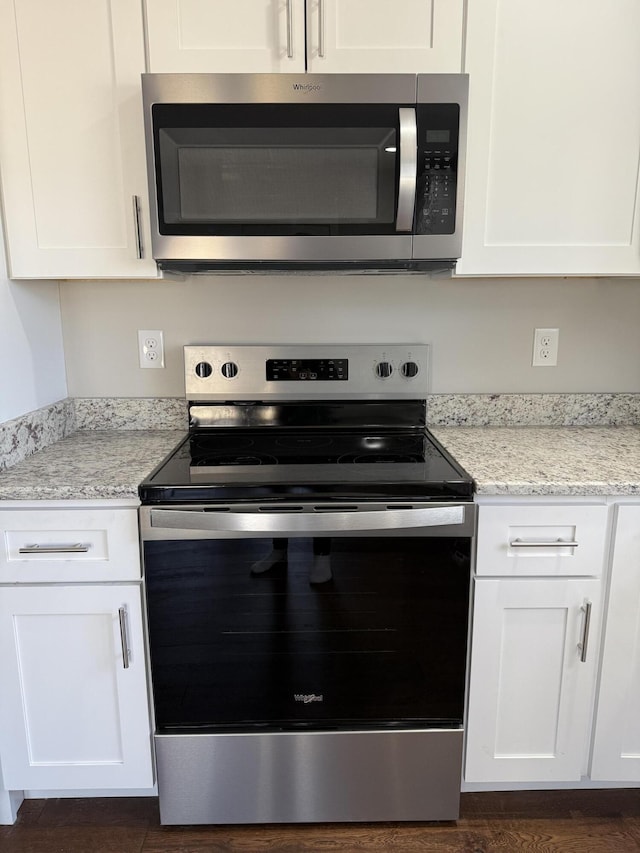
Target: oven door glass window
[
  {"x": 276, "y": 169},
  {"x": 301, "y": 632}
]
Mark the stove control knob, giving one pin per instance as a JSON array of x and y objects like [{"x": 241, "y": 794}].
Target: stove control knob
[
  {"x": 409, "y": 369},
  {"x": 203, "y": 369},
  {"x": 229, "y": 369},
  {"x": 384, "y": 369}
]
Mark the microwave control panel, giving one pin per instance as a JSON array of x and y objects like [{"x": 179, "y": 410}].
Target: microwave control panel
[{"x": 438, "y": 126}]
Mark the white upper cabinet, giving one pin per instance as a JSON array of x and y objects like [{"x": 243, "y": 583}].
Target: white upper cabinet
[
  {"x": 382, "y": 36},
  {"x": 72, "y": 154},
  {"x": 553, "y": 158},
  {"x": 225, "y": 36},
  {"x": 270, "y": 36}
]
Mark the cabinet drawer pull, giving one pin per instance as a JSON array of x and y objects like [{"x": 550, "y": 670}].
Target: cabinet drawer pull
[
  {"x": 124, "y": 641},
  {"x": 54, "y": 549},
  {"x": 582, "y": 645},
  {"x": 289, "y": 31},
  {"x": 555, "y": 543}
]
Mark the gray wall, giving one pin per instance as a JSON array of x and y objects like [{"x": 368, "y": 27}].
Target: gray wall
[
  {"x": 481, "y": 330},
  {"x": 32, "y": 370}
]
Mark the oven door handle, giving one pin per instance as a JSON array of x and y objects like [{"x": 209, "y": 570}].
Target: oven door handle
[
  {"x": 305, "y": 523},
  {"x": 408, "y": 169}
]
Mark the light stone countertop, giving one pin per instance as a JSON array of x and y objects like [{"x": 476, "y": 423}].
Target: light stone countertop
[
  {"x": 89, "y": 464},
  {"x": 567, "y": 460},
  {"x": 503, "y": 460}
]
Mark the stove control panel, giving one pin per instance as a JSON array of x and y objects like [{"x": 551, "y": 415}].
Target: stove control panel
[{"x": 307, "y": 371}]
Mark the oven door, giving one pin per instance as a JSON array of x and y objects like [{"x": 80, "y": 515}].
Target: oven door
[{"x": 307, "y": 617}]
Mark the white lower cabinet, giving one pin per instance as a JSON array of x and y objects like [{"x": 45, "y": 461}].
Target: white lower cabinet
[
  {"x": 74, "y": 709},
  {"x": 74, "y": 706},
  {"x": 535, "y": 642},
  {"x": 531, "y": 691},
  {"x": 616, "y": 749}
]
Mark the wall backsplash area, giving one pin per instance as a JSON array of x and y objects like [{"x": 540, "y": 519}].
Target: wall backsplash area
[{"x": 480, "y": 330}]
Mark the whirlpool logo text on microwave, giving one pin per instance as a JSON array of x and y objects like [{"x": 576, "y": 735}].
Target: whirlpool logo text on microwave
[
  {"x": 306, "y": 88},
  {"x": 307, "y": 698}
]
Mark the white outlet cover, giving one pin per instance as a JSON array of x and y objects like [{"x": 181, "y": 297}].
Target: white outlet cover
[
  {"x": 150, "y": 348},
  {"x": 545, "y": 347}
]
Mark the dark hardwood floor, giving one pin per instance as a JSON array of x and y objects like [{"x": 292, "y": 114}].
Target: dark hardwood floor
[{"x": 540, "y": 822}]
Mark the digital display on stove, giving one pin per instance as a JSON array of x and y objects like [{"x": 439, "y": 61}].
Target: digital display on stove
[{"x": 307, "y": 369}]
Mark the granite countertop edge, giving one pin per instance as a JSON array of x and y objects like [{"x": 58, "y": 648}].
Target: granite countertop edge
[{"x": 503, "y": 460}]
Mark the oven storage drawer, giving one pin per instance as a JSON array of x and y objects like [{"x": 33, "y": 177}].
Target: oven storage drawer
[
  {"x": 553, "y": 540},
  {"x": 69, "y": 545},
  {"x": 294, "y": 777}
]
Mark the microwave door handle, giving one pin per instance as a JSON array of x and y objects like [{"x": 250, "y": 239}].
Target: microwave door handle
[
  {"x": 408, "y": 168},
  {"x": 305, "y": 523}
]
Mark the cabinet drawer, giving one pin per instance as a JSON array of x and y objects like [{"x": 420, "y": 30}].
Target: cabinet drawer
[
  {"x": 69, "y": 545},
  {"x": 551, "y": 540}
]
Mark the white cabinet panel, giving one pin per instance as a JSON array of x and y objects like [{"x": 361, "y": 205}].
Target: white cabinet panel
[
  {"x": 616, "y": 751},
  {"x": 518, "y": 541},
  {"x": 71, "y": 138},
  {"x": 226, "y": 36},
  {"x": 530, "y": 692},
  {"x": 269, "y": 36},
  {"x": 380, "y": 36},
  {"x": 554, "y": 138},
  {"x": 73, "y": 708},
  {"x": 67, "y": 545}
]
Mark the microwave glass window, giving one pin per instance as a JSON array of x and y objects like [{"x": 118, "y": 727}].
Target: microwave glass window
[{"x": 278, "y": 175}]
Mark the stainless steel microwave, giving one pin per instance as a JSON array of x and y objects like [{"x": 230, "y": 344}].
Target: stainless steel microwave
[{"x": 278, "y": 171}]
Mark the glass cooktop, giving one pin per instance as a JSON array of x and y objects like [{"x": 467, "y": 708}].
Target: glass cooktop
[{"x": 220, "y": 464}]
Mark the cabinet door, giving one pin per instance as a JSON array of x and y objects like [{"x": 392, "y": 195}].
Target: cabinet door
[
  {"x": 227, "y": 36},
  {"x": 552, "y": 180},
  {"x": 616, "y": 752},
  {"x": 71, "y": 139},
  {"x": 530, "y": 692},
  {"x": 73, "y": 706},
  {"x": 409, "y": 36}
]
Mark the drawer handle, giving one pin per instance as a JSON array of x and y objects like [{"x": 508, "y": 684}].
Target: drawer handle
[
  {"x": 54, "y": 549},
  {"x": 124, "y": 641},
  {"x": 586, "y": 609},
  {"x": 556, "y": 543}
]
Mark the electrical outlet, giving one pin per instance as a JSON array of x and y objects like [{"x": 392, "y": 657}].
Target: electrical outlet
[
  {"x": 545, "y": 347},
  {"x": 150, "y": 348}
]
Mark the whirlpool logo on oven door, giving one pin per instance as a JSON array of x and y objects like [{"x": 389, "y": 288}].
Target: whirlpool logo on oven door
[{"x": 307, "y": 698}]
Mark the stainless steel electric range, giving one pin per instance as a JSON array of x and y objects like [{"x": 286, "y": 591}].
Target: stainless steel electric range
[{"x": 307, "y": 552}]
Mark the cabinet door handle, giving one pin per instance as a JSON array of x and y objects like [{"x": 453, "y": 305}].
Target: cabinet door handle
[
  {"x": 321, "y": 29},
  {"x": 289, "y": 30},
  {"x": 552, "y": 543},
  {"x": 136, "y": 220},
  {"x": 124, "y": 641},
  {"x": 582, "y": 645},
  {"x": 54, "y": 549}
]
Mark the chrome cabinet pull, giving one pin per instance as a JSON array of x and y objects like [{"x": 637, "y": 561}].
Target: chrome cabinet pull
[
  {"x": 321, "y": 29},
  {"x": 557, "y": 543},
  {"x": 124, "y": 641},
  {"x": 54, "y": 549},
  {"x": 582, "y": 645},
  {"x": 289, "y": 31},
  {"x": 408, "y": 168},
  {"x": 136, "y": 220}
]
